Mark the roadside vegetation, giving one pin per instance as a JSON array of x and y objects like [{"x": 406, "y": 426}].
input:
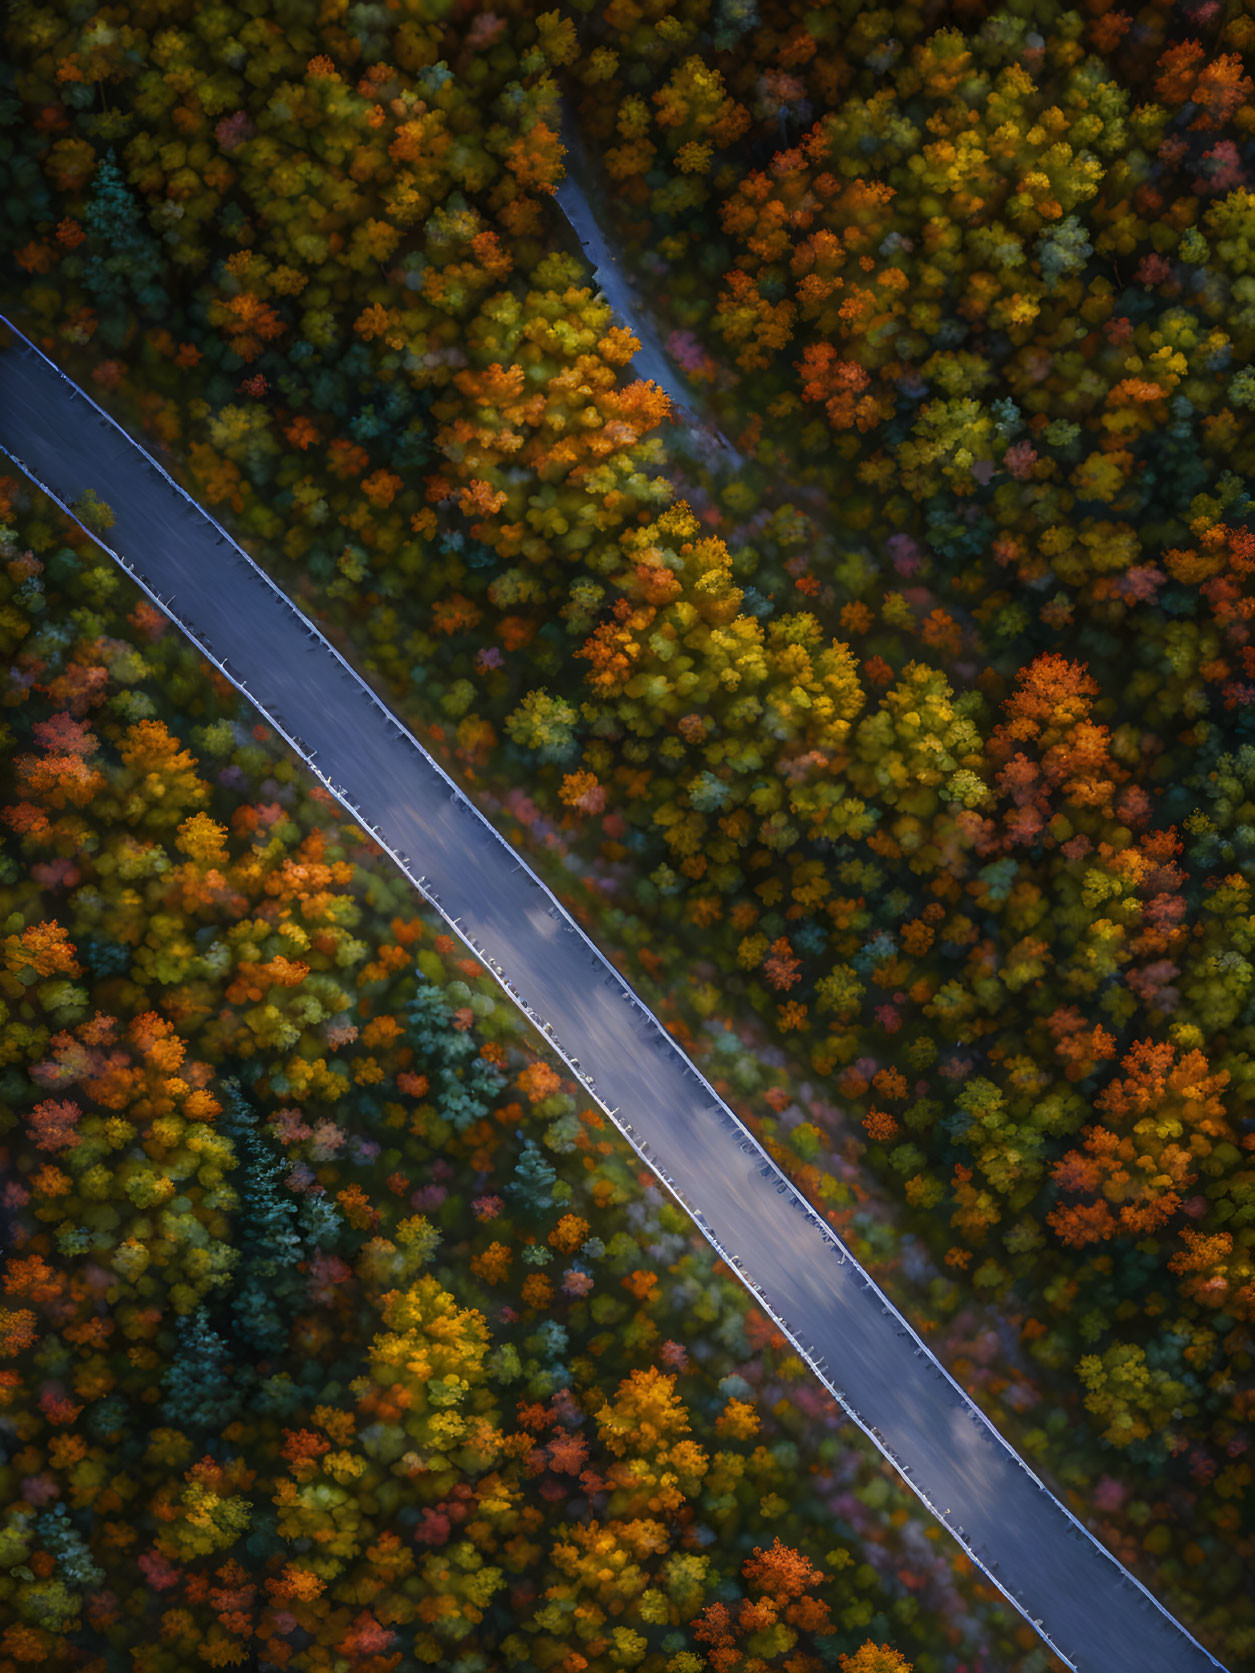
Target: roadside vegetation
[
  {"x": 914, "y": 763},
  {"x": 337, "y": 1332}
]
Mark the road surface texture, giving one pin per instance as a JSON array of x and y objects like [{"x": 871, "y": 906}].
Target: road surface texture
[{"x": 1095, "y": 1615}]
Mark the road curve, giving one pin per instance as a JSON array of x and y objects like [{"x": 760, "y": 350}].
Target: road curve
[
  {"x": 1077, "y": 1596},
  {"x": 650, "y": 360}
]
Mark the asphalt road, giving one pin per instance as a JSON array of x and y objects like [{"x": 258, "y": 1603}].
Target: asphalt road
[
  {"x": 650, "y": 360},
  {"x": 1078, "y": 1597}
]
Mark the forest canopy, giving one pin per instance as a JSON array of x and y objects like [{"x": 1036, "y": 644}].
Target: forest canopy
[{"x": 902, "y": 755}]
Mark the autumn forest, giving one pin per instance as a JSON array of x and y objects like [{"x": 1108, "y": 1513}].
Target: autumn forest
[{"x": 880, "y": 707}]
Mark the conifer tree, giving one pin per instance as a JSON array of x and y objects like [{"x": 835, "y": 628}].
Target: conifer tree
[
  {"x": 266, "y": 1282},
  {"x": 201, "y": 1393},
  {"x": 124, "y": 262},
  {"x": 532, "y": 1180}
]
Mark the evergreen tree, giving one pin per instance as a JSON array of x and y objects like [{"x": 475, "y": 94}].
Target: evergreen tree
[
  {"x": 74, "y": 1561},
  {"x": 125, "y": 263},
  {"x": 267, "y": 1284},
  {"x": 429, "y": 1018},
  {"x": 201, "y": 1396},
  {"x": 531, "y": 1184},
  {"x": 321, "y": 1222},
  {"x": 465, "y": 1095}
]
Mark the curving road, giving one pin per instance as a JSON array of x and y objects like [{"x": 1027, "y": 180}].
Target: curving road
[
  {"x": 650, "y": 360},
  {"x": 1080, "y": 1600}
]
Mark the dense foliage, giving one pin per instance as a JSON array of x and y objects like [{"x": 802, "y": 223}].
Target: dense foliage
[
  {"x": 312, "y": 1358},
  {"x": 924, "y": 739}
]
